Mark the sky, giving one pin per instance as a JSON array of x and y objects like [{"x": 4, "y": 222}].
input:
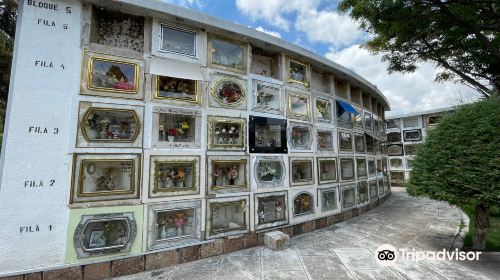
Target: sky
[{"x": 316, "y": 25}]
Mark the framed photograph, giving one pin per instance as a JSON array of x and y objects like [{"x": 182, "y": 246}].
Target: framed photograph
[
  {"x": 227, "y": 54},
  {"x": 323, "y": 110},
  {"x": 104, "y": 234},
  {"x": 227, "y": 216},
  {"x": 324, "y": 140},
  {"x": 328, "y": 198},
  {"x": 346, "y": 169},
  {"x": 345, "y": 141},
  {"x": 269, "y": 171},
  {"x": 300, "y": 136},
  {"x": 362, "y": 191},
  {"x": 177, "y": 40},
  {"x": 174, "y": 224},
  {"x": 228, "y": 92},
  {"x": 298, "y": 72},
  {"x": 227, "y": 174},
  {"x": 267, "y": 97},
  {"x": 226, "y": 133},
  {"x": 299, "y": 106},
  {"x": 102, "y": 177},
  {"x": 177, "y": 89},
  {"x": 348, "y": 197},
  {"x": 361, "y": 167},
  {"x": 327, "y": 170},
  {"x": 301, "y": 171},
  {"x": 303, "y": 204},
  {"x": 267, "y": 135},
  {"x": 176, "y": 128},
  {"x": 174, "y": 175},
  {"x": 271, "y": 210}
]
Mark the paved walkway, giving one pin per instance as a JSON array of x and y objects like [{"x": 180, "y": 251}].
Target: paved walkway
[{"x": 346, "y": 250}]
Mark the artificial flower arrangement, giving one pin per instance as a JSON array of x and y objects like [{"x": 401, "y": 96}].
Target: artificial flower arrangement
[
  {"x": 222, "y": 172},
  {"x": 322, "y": 110},
  {"x": 172, "y": 178},
  {"x": 299, "y": 136},
  {"x": 226, "y": 133},
  {"x": 230, "y": 93},
  {"x": 267, "y": 172}
]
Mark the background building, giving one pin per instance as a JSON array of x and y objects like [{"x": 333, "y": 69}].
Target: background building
[{"x": 404, "y": 132}]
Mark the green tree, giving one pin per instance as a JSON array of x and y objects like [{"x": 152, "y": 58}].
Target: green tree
[
  {"x": 461, "y": 37},
  {"x": 459, "y": 162}
]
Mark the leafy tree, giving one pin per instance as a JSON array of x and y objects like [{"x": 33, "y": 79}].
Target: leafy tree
[
  {"x": 461, "y": 37},
  {"x": 459, "y": 162}
]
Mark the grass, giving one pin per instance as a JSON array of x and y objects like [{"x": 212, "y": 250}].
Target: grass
[{"x": 493, "y": 238}]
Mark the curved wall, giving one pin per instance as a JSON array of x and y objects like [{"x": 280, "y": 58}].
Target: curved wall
[{"x": 190, "y": 137}]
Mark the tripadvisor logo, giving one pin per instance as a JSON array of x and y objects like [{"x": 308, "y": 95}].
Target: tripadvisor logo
[{"x": 387, "y": 255}]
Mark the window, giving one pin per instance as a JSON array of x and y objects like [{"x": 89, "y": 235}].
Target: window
[
  {"x": 177, "y": 40},
  {"x": 412, "y": 135},
  {"x": 393, "y": 137},
  {"x": 345, "y": 141},
  {"x": 410, "y": 122}
]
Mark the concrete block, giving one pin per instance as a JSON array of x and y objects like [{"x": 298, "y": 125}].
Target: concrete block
[{"x": 276, "y": 240}]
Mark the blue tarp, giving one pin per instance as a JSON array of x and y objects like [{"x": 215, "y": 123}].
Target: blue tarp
[{"x": 346, "y": 106}]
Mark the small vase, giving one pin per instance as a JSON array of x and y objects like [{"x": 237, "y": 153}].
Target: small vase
[
  {"x": 180, "y": 184},
  {"x": 163, "y": 233},
  {"x": 171, "y": 138},
  {"x": 179, "y": 230}
]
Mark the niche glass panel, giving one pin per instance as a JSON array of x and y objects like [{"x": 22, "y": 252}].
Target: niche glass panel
[
  {"x": 323, "y": 110},
  {"x": 267, "y": 97},
  {"x": 370, "y": 144},
  {"x": 412, "y": 135},
  {"x": 267, "y": 135},
  {"x": 176, "y": 89},
  {"x": 395, "y": 150},
  {"x": 361, "y": 167},
  {"x": 110, "y": 125},
  {"x": 410, "y": 149},
  {"x": 359, "y": 143},
  {"x": 177, "y": 40},
  {"x": 368, "y": 121},
  {"x": 344, "y": 118},
  {"x": 298, "y": 106},
  {"x": 392, "y": 123},
  {"x": 324, "y": 140},
  {"x": 271, "y": 210},
  {"x": 362, "y": 192},
  {"x": 227, "y": 54},
  {"x": 394, "y": 137},
  {"x": 348, "y": 197},
  {"x": 381, "y": 189},
  {"x": 409, "y": 163},
  {"x": 300, "y": 136},
  {"x": 298, "y": 72},
  {"x": 358, "y": 118},
  {"x": 327, "y": 170},
  {"x": 396, "y": 162},
  {"x": 175, "y": 224},
  {"x": 175, "y": 175},
  {"x": 410, "y": 122},
  {"x": 302, "y": 171},
  {"x": 112, "y": 75},
  {"x": 227, "y": 216},
  {"x": 269, "y": 172},
  {"x": 228, "y": 92},
  {"x": 328, "y": 199},
  {"x": 303, "y": 204},
  {"x": 373, "y": 189},
  {"x": 177, "y": 128},
  {"x": 228, "y": 174},
  {"x": 226, "y": 133},
  {"x": 372, "y": 171},
  {"x": 347, "y": 168},
  {"x": 345, "y": 141}
]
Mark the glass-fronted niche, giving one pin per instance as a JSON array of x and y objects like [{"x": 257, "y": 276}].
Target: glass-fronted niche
[
  {"x": 324, "y": 140},
  {"x": 368, "y": 121},
  {"x": 298, "y": 72},
  {"x": 323, "y": 110},
  {"x": 328, "y": 198},
  {"x": 174, "y": 175},
  {"x": 227, "y": 174},
  {"x": 381, "y": 188},
  {"x": 267, "y": 135},
  {"x": 301, "y": 171},
  {"x": 410, "y": 149},
  {"x": 346, "y": 169},
  {"x": 300, "y": 136},
  {"x": 362, "y": 192},
  {"x": 109, "y": 125},
  {"x": 227, "y": 216},
  {"x": 102, "y": 177},
  {"x": 373, "y": 189},
  {"x": 104, "y": 234},
  {"x": 410, "y": 122},
  {"x": 372, "y": 170},
  {"x": 412, "y": 135},
  {"x": 271, "y": 210},
  {"x": 348, "y": 197},
  {"x": 227, "y": 92},
  {"x": 397, "y": 177},
  {"x": 299, "y": 106},
  {"x": 226, "y": 133},
  {"x": 361, "y": 167},
  {"x": 359, "y": 143},
  {"x": 177, "y": 40},
  {"x": 303, "y": 204},
  {"x": 176, "y": 89},
  {"x": 176, "y": 128},
  {"x": 396, "y": 162},
  {"x": 394, "y": 137},
  {"x": 174, "y": 224},
  {"x": 409, "y": 163},
  {"x": 269, "y": 171},
  {"x": 112, "y": 76},
  {"x": 345, "y": 141},
  {"x": 227, "y": 54},
  {"x": 395, "y": 150},
  {"x": 268, "y": 98},
  {"x": 393, "y": 124},
  {"x": 327, "y": 170}
]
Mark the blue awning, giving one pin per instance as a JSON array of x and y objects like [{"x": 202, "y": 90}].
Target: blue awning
[{"x": 348, "y": 107}]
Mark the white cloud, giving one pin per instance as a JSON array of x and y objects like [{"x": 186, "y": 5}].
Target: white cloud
[
  {"x": 186, "y": 3},
  {"x": 272, "y": 33},
  {"x": 329, "y": 27},
  {"x": 275, "y": 12},
  {"x": 406, "y": 92}
]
